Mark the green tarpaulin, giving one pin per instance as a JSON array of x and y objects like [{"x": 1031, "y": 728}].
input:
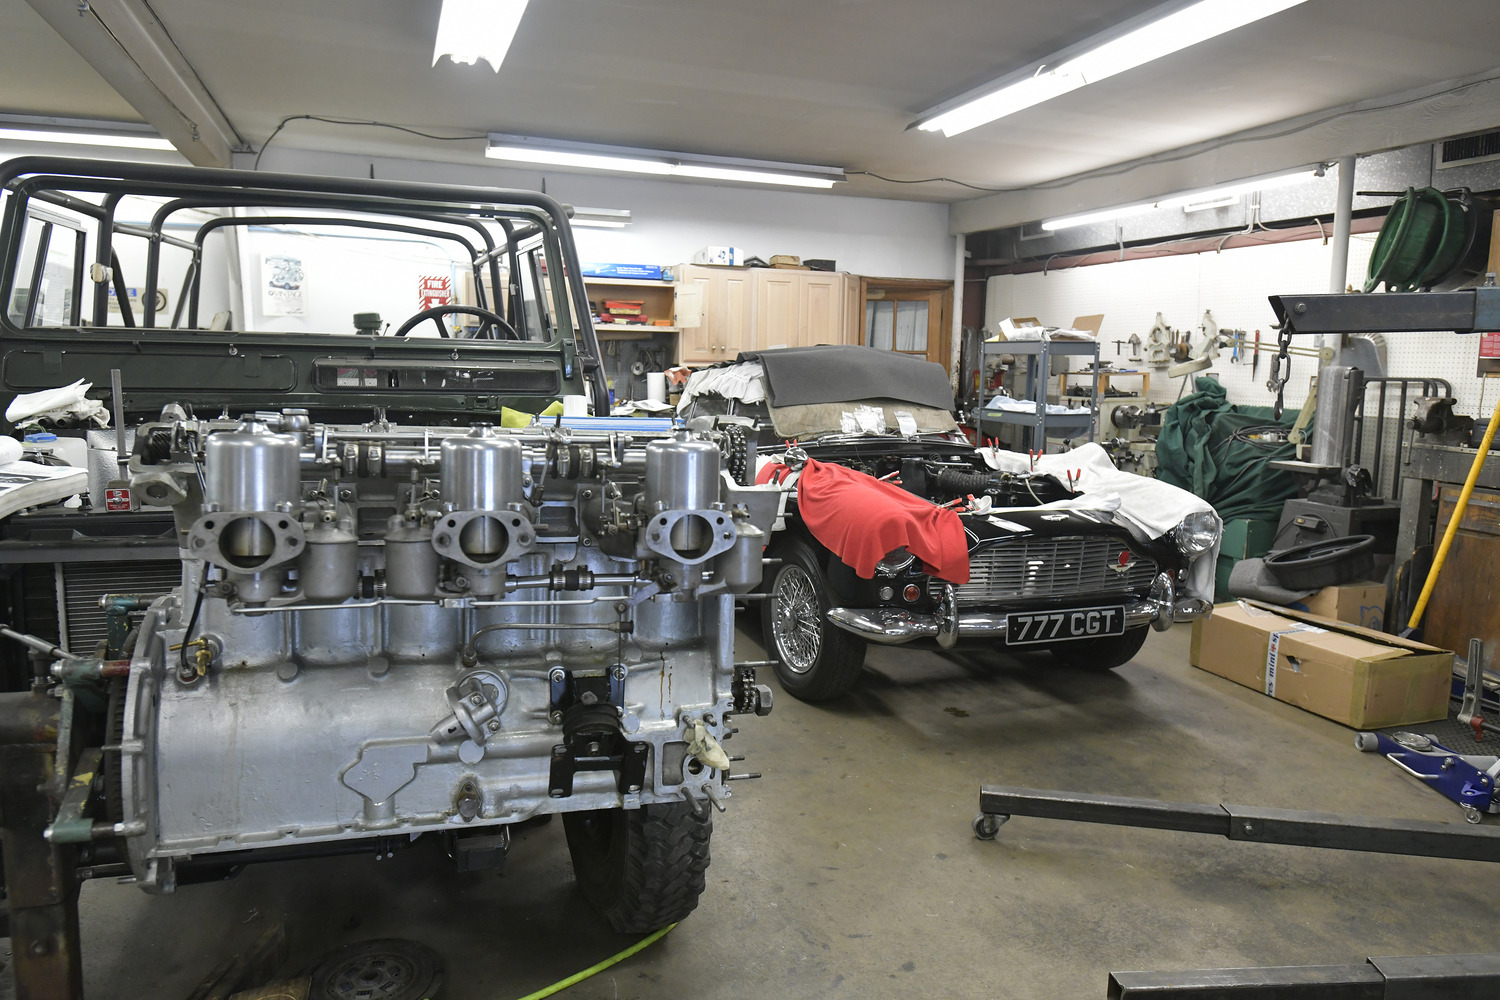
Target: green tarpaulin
[{"x": 1198, "y": 450}]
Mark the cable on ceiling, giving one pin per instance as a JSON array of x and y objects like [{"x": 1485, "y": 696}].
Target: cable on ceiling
[
  {"x": 330, "y": 120},
  {"x": 924, "y": 180}
]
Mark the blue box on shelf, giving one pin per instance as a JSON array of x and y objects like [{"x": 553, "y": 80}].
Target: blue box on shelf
[{"x": 635, "y": 272}]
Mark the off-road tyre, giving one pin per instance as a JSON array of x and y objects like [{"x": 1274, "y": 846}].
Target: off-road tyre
[
  {"x": 642, "y": 869},
  {"x": 1104, "y": 653},
  {"x": 815, "y": 659}
]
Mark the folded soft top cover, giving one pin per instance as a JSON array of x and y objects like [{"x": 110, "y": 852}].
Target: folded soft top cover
[{"x": 797, "y": 376}]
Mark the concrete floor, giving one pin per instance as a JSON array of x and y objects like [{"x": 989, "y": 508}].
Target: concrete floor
[{"x": 850, "y": 869}]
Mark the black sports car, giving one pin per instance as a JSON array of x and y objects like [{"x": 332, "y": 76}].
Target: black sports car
[{"x": 1065, "y": 553}]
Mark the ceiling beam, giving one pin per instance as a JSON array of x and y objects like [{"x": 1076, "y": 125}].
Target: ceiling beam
[
  {"x": 1457, "y": 107},
  {"x": 127, "y": 45}
]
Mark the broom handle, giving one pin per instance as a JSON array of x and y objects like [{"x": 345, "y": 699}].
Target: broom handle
[{"x": 1458, "y": 513}]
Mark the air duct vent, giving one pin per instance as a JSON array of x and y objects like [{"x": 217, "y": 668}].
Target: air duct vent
[{"x": 1469, "y": 149}]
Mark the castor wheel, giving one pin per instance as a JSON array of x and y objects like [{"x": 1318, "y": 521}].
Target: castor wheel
[
  {"x": 986, "y": 825},
  {"x": 1471, "y": 815}
]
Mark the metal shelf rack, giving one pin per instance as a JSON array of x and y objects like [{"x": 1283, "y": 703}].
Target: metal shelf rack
[{"x": 1038, "y": 355}]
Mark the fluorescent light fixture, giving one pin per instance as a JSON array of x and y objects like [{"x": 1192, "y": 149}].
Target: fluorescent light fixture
[
  {"x": 601, "y": 218},
  {"x": 471, "y": 30},
  {"x": 1223, "y": 201},
  {"x": 1190, "y": 201},
  {"x": 1160, "y": 32},
  {"x": 657, "y": 162},
  {"x": 86, "y": 138}
]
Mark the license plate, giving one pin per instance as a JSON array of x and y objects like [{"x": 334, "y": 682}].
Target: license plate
[{"x": 1060, "y": 626}]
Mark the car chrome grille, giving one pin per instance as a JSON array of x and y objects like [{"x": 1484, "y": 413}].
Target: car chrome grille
[{"x": 1022, "y": 569}]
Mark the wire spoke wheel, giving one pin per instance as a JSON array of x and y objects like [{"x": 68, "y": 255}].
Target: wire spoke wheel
[
  {"x": 796, "y": 625},
  {"x": 815, "y": 659}
]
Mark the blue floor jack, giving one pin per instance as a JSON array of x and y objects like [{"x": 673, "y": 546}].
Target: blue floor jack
[{"x": 1468, "y": 779}]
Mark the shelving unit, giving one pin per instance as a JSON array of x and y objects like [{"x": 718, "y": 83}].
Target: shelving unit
[
  {"x": 1038, "y": 355},
  {"x": 658, "y": 296}
]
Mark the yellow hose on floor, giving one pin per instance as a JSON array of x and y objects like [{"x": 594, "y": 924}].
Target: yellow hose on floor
[
  {"x": 1458, "y": 513},
  {"x": 579, "y": 977}
]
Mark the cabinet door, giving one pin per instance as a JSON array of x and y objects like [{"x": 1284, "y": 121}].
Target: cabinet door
[
  {"x": 777, "y": 309},
  {"x": 695, "y": 341},
  {"x": 821, "y": 309},
  {"x": 733, "y": 321},
  {"x": 723, "y": 328}
]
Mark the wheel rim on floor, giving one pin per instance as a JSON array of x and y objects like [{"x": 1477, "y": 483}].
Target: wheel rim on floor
[{"x": 796, "y": 622}]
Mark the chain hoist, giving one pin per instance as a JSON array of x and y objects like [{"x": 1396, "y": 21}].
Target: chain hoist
[{"x": 1277, "y": 382}]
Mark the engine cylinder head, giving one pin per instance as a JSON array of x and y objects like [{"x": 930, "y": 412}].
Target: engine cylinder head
[
  {"x": 682, "y": 473},
  {"x": 482, "y": 470},
  {"x": 251, "y": 468}
]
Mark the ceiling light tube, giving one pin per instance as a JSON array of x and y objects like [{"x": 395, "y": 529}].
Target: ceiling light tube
[
  {"x": 1188, "y": 200},
  {"x": 1089, "y": 218},
  {"x": 1167, "y": 29},
  {"x": 661, "y": 163},
  {"x": 471, "y": 30},
  {"x": 601, "y": 218},
  {"x": 1238, "y": 188},
  {"x": 86, "y": 138}
]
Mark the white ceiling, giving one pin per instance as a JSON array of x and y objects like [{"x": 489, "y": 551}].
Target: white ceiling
[{"x": 833, "y": 82}]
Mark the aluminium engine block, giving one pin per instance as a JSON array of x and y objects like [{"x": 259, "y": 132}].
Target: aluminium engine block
[{"x": 387, "y": 630}]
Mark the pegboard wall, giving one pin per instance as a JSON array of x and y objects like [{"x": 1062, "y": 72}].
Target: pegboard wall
[{"x": 1233, "y": 285}]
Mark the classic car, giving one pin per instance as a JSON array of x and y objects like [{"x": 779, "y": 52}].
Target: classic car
[{"x": 1064, "y": 552}]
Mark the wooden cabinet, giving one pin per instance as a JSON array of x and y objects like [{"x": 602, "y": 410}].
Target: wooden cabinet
[
  {"x": 657, "y": 298},
  {"x": 753, "y": 309},
  {"x": 713, "y": 313}
]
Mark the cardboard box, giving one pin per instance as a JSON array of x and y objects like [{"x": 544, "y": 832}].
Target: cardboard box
[
  {"x": 720, "y": 255},
  {"x": 1357, "y": 676},
  {"x": 1359, "y": 603}
]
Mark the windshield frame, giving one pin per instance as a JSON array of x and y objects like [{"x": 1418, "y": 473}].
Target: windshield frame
[{"x": 517, "y": 215}]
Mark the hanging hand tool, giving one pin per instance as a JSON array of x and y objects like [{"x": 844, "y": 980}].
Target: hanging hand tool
[{"x": 1255, "y": 357}]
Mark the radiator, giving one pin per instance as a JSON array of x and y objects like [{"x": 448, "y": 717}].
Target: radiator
[{"x": 1024, "y": 569}]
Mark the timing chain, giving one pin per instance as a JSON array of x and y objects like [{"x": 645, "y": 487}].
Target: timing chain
[{"x": 1277, "y": 382}]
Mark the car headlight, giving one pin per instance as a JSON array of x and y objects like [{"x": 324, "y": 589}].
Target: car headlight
[
  {"x": 894, "y": 562},
  {"x": 1198, "y": 532}
]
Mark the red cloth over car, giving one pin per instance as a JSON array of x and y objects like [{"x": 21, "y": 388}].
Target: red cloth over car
[{"x": 860, "y": 519}]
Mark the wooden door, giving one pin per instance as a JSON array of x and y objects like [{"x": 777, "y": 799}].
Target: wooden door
[{"x": 911, "y": 317}]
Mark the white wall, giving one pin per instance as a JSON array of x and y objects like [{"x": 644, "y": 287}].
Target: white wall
[
  {"x": 672, "y": 220},
  {"x": 1233, "y": 284}
]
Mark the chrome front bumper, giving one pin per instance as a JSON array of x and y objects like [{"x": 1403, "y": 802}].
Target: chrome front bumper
[{"x": 891, "y": 626}]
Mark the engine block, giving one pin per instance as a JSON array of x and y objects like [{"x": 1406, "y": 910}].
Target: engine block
[{"x": 386, "y": 630}]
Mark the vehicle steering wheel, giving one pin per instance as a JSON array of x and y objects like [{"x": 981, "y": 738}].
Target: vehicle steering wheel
[{"x": 493, "y": 320}]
